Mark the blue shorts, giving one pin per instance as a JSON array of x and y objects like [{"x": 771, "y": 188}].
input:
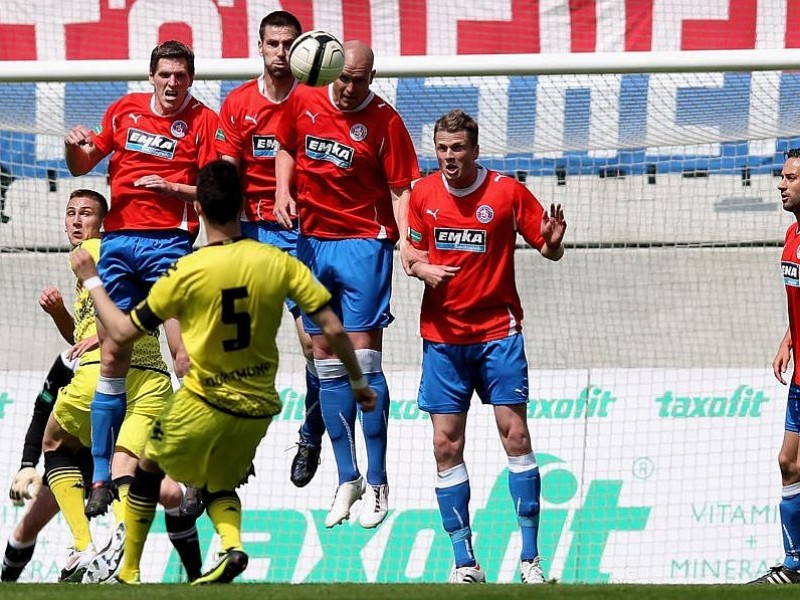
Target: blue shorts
[
  {"x": 269, "y": 232},
  {"x": 793, "y": 409},
  {"x": 497, "y": 370},
  {"x": 358, "y": 274},
  {"x": 130, "y": 262}
]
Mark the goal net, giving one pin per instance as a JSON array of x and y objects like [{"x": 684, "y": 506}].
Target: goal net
[{"x": 653, "y": 410}]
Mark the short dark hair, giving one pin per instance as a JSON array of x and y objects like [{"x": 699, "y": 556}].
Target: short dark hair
[
  {"x": 219, "y": 192},
  {"x": 91, "y": 194},
  {"x": 455, "y": 121},
  {"x": 279, "y": 18},
  {"x": 174, "y": 50},
  {"x": 792, "y": 153}
]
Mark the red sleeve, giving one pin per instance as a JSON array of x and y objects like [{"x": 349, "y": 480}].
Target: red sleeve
[
  {"x": 286, "y": 134},
  {"x": 528, "y": 213},
  {"x": 416, "y": 228},
  {"x": 103, "y": 136},
  {"x": 206, "y": 149},
  {"x": 398, "y": 156},
  {"x": 229, "y": 139}
]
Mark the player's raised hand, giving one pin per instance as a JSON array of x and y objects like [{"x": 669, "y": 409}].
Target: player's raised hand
[
  {"x": 553, "y": 226},
  {"x": 51, "y": 300},
  {"x": 366, "y": 398},
  {"x": 433, "y": 275},
  {"x": 78, "y": 136},
  {"x": 83, "y": 264},
  {"x": 285, "y": 210}
]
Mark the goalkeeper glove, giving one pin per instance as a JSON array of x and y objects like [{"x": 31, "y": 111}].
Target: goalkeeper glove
[{"x": 27, "y": 483}]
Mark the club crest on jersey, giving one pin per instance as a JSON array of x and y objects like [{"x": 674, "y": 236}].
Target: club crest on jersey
[
  {"x": 358, "y": 132},
  {"x": 264, "y": 146},
  {"x": 179, "y": 129},
  {"x": 329, "y": 150},
  {"x": 484, "y": 214},
  {"x": 150, "y": 143},
  {"x": 467, "y": 240},
  {"x": 791, "y": 277}
]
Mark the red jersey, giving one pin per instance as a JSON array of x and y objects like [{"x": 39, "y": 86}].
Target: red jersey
[
  {"x": 345, "y": 164},
  {"x": 790, "y": 263},
  {"x": 475, "y": 229},
  {"x": 248, "y": 120},
  {"x": 146, "y": 143}
]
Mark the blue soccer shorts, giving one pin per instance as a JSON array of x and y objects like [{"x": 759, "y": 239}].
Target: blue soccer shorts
[
  {"x": 793, "y": 409},
  {"x": 358, "y": 274},
  {"x": 130, "y": 262},
  {"x": 269, "y": 232},
  {"x": 496, "y": 370}
]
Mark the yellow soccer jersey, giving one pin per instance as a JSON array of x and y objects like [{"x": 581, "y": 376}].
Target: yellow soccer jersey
[
  {"x": 229, "y": 300},
  {"x": 146, "y": 351},
  {"x": 83, "y": 308}
]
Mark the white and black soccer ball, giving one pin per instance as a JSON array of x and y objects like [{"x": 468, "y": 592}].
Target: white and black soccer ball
[{"x": 316, "y": 58}]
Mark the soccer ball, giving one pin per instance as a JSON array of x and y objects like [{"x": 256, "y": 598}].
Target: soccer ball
[{"x": 316, "y": 58}]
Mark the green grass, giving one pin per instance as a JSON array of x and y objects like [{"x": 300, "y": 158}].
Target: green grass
[{"x": 390, "y": 592}]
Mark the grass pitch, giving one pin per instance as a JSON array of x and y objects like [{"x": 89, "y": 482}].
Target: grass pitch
[{"x": 389, "y": 592}]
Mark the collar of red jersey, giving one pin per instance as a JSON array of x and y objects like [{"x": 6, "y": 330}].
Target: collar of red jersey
[{"x": 459, "y": 192}]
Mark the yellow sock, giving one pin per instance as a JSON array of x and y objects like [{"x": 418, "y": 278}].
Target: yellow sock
[
  {"x": 118, "y": 506},
  {"x": 139, "y": 513},
  {"x": 226, "y": 514},
  {"x": 66, "y": 483}
]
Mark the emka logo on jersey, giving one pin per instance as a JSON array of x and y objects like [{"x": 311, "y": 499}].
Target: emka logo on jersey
[
  {"x": 264, "y": 146},
  {"x": 151, "y": 143},
  {"x": 330, "y": 150},
  {"x": 790, "y": 273},
  {"x": 468, "y": 240}
]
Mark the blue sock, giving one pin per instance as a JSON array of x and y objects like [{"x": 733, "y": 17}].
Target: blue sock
[
  {"x": 339, "y": 413},
  {"x": 313, "y": 426},
  {"x": 374, "y": 424},
  {"x": 107, "y": 412},
  {"x": 790, "y": 525},
  {"x": 525, "y": 485},
  {"x": 452, "y": 494}
]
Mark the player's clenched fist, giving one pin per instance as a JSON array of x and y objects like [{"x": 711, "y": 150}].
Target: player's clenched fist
[
  {"x": 26, "y": 484},
  {"x": 82, "y": 264},
  {"x": 78, "y": 136}
]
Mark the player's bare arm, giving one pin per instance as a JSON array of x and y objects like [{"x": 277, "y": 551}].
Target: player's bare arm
[
  {"x": 52, "y": 302},
  {"x": 340, "y": 343},
  {"x": 182, "y": 191},
  {"x": 433, "y": 275},
  {"x": 285, "y": 207},
  {"x": 80, "y": 153},
  {"x": 118, "y": 324},
  {"x": 782, "y": 358},
  {"x": 86, "y": 345},
  {"x": 408, "y": 254},
  {"x": 553, "y": 227}
]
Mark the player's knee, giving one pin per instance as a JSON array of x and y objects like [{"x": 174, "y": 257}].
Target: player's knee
[
  {"x": 790, "y": 470},
  {"x": 446, "y": 449}
]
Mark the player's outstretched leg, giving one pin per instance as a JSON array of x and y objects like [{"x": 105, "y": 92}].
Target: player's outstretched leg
[
  {"x": 107, "y": 413},
  {"x": 309, "y": 446},
  {"x": 225, "y": 511}
]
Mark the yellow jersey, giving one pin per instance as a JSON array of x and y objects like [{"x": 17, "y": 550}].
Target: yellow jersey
[
  {"x": 146, "y": 351},
  {"x": 229, "y": 299}
]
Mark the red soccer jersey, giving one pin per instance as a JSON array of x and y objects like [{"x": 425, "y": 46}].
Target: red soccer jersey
[
  {"x": 248, "y": 120},
  {"x": 345, "y": 163},
  {"x": 790, "y": 263},
  {"x": 477, "y": 231},
  {"x": 146, "y": 143}
]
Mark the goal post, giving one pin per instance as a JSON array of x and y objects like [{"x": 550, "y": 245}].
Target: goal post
[{"x": 653, "y": 410}]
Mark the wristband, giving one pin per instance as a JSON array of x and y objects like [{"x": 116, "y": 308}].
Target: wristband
[
  {"x": 359, "y": 384},
  {"x": 92, "y": 282}
]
